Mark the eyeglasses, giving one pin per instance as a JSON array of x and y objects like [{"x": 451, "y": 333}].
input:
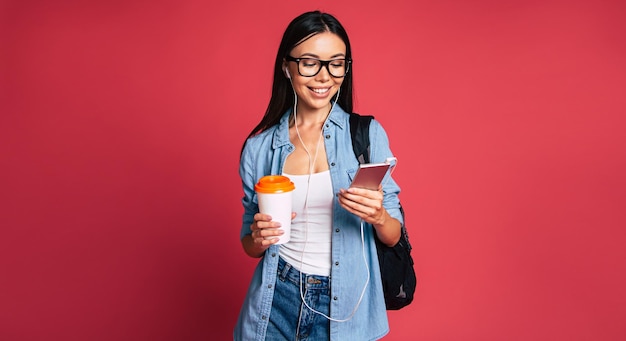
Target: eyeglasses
[{"x": 309, "y": 67}]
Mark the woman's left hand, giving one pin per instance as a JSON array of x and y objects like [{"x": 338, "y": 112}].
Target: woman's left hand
[{"x": 366, "y": 204}]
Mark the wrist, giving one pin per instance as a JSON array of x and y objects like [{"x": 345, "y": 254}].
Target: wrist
[{"x": 380, "y": 223}]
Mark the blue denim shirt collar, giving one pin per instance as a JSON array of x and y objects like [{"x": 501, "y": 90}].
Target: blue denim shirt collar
[{"x": 281, "y": 135}]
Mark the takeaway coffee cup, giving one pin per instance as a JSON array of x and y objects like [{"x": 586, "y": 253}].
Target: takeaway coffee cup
[{"x": 274, "y": 193}]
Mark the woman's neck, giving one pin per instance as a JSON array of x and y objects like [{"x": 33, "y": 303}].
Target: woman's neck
[{"x": 312, "y": 117}]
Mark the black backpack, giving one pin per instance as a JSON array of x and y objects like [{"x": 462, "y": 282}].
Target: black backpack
[{"x": 396, "y": 263}]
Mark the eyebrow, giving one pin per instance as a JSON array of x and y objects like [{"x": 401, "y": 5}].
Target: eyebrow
[{"x": 304, "y": 55}]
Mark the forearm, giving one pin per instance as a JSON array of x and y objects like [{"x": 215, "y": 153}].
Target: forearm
[
  {"x": 388, "y": 230},
  {"x": 251, "y": 248}
]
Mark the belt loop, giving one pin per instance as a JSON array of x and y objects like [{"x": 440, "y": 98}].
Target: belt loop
[{"x": 283, "y": 274}]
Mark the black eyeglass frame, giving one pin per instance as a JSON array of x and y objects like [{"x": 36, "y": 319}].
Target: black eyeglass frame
[{"x": 323, "y": 63}]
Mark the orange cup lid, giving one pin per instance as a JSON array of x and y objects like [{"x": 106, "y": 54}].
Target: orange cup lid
[{"x": 274, "y": 184}]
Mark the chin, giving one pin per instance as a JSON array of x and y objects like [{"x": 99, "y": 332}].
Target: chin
[{"x": 315, "y": 105}]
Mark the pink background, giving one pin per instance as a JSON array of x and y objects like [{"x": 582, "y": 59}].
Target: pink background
[{"x": 121, "y": 124}]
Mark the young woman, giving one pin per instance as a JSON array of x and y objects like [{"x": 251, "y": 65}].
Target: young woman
[{"x": 324, "y": 284}]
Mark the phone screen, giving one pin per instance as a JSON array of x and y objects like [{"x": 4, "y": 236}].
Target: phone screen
[{"x": 370, "y": 175}]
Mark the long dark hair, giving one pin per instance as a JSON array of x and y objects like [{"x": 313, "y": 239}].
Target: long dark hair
[{"x": 301, "y": 28}]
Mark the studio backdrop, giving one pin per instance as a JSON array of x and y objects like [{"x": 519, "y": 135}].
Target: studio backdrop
[{"x": 121, "y": 124}]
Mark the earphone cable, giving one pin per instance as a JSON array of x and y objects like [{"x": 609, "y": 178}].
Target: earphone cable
[{"x": 311, "y": 168}]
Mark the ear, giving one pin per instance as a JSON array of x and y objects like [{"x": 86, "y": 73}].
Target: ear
[{"x": 286, "y": 69}]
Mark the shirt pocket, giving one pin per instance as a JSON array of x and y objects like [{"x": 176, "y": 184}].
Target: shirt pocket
[{"x": 351, "y": 173}]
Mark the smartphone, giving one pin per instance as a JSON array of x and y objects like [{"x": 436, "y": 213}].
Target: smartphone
[{"x": 370, "y": 175}]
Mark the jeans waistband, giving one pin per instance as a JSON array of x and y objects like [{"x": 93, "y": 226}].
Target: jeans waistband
[{"x": 286, "y": 271}]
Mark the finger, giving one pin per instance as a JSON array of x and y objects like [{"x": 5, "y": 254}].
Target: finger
[
  {"x": 351, "y": 205},
  {"x": 258, "y": 238},
  {"x": 365, "y": 210},
  {"x": 366, "y": 193},
  {"x": 264, "y": 225},
  {"x": 263, "y": 221},
  {"x": 262, "y": 217},
  {"x": 266, "y": 236},
  {"x": 356, "y": 201}
]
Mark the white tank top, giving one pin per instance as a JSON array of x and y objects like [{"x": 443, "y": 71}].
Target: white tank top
[{"x": 309, "y": 249}]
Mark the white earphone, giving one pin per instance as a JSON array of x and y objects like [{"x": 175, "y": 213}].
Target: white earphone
[{"x": 287, "y": 74}]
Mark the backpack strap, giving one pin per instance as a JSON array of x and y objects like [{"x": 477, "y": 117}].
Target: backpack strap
[
  {"x": 396, "y": 264},
  {"x": 360, "y": 133}
]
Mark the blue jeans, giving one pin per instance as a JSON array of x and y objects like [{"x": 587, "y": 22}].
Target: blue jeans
[{"x": 290, "y": 319}]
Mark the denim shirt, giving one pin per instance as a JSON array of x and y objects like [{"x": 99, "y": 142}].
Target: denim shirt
[{"x": 265, "y": 154}]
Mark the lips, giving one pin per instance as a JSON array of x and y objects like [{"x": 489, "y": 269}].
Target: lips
[{"x": 322, "y": 92}]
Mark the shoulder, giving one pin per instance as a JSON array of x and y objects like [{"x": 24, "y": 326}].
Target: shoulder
[
  {"x": 261, "y": 137},
  {"x": 253, "y": 145},
  {"x": 270, "y": 138},
  {"x": 365, "y": 117},
  {"x": 375, "y": 124},
  {"x": 379, "y": 140},
  {"x": 266, "y": 136},
  {"x": 375, "y": 127}
]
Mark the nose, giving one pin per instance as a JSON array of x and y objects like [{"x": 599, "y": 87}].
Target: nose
[{"x": 324, "y": 73}]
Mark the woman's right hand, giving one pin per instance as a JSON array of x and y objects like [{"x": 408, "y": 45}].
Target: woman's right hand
[{"x": 265, "y": 232}]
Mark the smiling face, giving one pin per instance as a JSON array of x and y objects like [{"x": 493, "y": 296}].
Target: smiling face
[{"x": 315, "y": 93}]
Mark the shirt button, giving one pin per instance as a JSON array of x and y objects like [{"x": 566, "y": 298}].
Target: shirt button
[
  {"x": 269, "y": 286},
  {"x": 337, "y": 230},
  {"x": 327, "y": 125},
  {"x": 337, "y": 263},
  {"x": 263, "y": 317},
  {"x": 273, "y": 254},
  {"x": 327, "y": 137},
  {"x": 335, "y": 298},
  {"x": 332, "y": 164}
]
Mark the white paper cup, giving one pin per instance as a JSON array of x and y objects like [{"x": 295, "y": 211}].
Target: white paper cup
[{"x": 274, "y": 195}]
